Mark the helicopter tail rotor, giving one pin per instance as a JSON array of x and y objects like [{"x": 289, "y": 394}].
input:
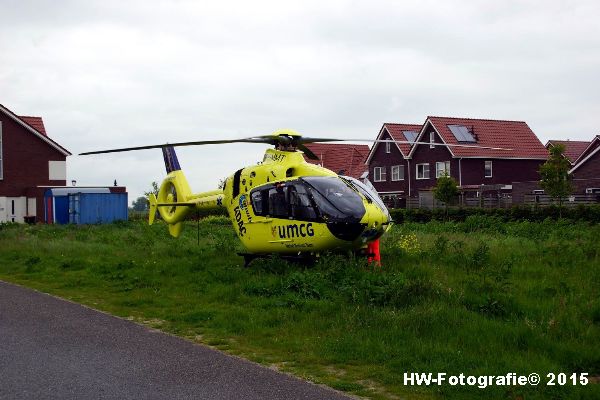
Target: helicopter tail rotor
[
  {"x": 172, "y": 201},
  {"x": 172, "y": 195}
]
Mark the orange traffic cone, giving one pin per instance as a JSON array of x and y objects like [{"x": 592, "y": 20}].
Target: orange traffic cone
[{"x": 373, "y": 253}]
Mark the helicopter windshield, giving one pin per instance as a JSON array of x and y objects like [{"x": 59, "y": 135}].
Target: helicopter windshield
[
  {"x": 335, "y": 198},
  {"x": 369, "y": 192}
]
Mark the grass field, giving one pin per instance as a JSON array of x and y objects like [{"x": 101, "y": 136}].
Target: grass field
[{"x": 479, "y": 297}]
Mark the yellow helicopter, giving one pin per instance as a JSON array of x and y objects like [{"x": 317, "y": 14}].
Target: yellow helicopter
[{"x": 283, "y": 205}]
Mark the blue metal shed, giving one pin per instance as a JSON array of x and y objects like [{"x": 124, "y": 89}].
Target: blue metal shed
[
  {"x": 97, "y": 208},
  {"x": 84, "y": 205}
]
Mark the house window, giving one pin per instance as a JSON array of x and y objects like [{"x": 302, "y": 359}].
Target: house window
[
  {"x": 488, "y": 169},
  {"x": 422, "y": 171},
  {"x": 442, "y": 168},
  {"x": 431, "y": 140},
  {"x": 379, "y": 174},
  {"x": 397, "y": 172},
  {"x": 388, "y": 147}
]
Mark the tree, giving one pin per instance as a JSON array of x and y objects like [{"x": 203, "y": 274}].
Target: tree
[
  {"x": 556, "y": 180},
  {"x": 140, "y": 204},
  {"x": 154, "y": 190},
  {"x": 445, "y": 191}
]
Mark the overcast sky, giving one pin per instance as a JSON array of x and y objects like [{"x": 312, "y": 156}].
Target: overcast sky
[{"x": 119, "y": 73}]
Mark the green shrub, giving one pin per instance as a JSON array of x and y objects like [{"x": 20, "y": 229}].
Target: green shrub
[
  {"x": 262, "y": 288},
  {"x": 587, "y": 213},
  {"x": 217, "y": 220},
  {"x": 305, "y": 284}
]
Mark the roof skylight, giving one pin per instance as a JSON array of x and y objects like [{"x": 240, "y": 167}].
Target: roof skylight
[{"x": 461, "y": 133}]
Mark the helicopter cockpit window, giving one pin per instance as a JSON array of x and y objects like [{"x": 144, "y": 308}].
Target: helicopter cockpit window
[
  {"x": 310, "y": 199},
  {"x": 301, "y": 206},
  {"x": 257, "y": 203},
  {"x": 289, "y": 200},
  {"x": 278, "y": 205}
]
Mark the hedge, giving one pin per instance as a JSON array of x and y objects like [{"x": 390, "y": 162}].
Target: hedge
[{"x": 589, "y": 213}]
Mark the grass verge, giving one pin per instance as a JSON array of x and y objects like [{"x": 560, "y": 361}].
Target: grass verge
[{"x": 479, "y": 297}]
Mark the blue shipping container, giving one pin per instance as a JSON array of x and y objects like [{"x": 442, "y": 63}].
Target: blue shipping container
[
  {"x": 56, "y": 202},
  {"x": 97, "y": 208}
]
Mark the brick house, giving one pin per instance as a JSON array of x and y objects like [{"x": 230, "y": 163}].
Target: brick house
[
  {"x": 586, "y": 169},
  {"x": 344, "y": 159},
  {"x": 388, "y": 166},
  {"x": 585, "y": 173},
  {"x": 519, "y": 158},
  {"x": 28, "y": 159},
  {"x": 573, "y": 148}
]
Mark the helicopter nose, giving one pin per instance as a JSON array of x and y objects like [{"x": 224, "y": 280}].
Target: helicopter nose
[
  {"x": 349, "y": 231},
  {"x": 376, "y": 225}
]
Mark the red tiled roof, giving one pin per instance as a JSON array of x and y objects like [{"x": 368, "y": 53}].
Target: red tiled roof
[
  {"x": 35, "y": 122},
  {"x": 589, "y": 149},
  {"x": 349, "y": 158},
  {"x": 34, "y": 130},
  {"x": 396, "y": 130},
  {"x": 513, "y": 135},
  {"x": 573, "y": 148}
]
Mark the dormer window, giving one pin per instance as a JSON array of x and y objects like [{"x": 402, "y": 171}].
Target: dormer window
[{"x": 410, "y": 136}]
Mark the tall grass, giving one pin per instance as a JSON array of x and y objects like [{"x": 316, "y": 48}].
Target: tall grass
[{"x": 475, "y": 297}]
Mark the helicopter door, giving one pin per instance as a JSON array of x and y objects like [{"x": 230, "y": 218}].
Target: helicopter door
[
  {"x": 288, "y": 201},
  {"x": 272, "y": 203}
]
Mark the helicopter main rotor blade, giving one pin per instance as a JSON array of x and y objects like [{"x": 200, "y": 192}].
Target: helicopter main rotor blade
[
  {"x": 195, "y": 143},
  {"x": 308, "y": 152},
  {"x": 429, "y": 143},
  {"x": 174, "y": 204},
  {"x": 266, "y": 139},
  {"x": 296, "y": 140},
  {"x": 285, "y": 140},
  {"x": 303, "y": 140}
]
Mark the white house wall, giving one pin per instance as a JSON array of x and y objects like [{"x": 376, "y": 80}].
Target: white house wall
[{"x": 13, "y": 209}]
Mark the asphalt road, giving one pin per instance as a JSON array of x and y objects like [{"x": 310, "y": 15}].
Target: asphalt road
[{"x": 54, "y": 349}]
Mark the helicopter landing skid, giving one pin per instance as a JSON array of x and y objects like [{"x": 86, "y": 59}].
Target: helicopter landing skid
[
  {"x": 248, "y": 258},
  {"x": 300, "y": 258}
]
